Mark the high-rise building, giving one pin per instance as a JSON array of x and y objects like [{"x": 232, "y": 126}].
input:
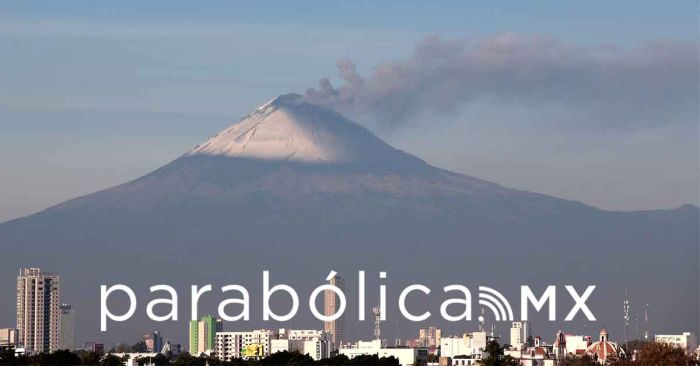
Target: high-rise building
[
  {"x": 518, "y": 334},
  {"x": 66, "y": 339},
  {"x": 37, "y": 310},
  {"x": 203, "y": 334},
  {"x": 153, "y": 341},
  {"x": 336, "y": 328}
]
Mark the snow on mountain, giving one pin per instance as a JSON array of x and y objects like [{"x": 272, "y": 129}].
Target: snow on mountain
[{"x": 289, "y": 129}]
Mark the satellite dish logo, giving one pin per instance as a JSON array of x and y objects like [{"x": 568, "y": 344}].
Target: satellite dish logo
[{"x": 499, "y": 305}]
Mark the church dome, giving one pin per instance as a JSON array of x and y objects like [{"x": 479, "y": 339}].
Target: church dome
[{"x": 604, "y": 349}]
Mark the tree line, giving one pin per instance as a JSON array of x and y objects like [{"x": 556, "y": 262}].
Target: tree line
[
  {"x": 645, "y": 354},
  {"x": 83, "y": 358}
]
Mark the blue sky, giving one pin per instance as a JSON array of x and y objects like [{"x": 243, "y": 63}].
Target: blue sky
[{"x": 94, "y": 94}]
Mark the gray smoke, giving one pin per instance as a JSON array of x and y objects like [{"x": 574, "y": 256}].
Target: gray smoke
[{"x": 653, "y": 83}]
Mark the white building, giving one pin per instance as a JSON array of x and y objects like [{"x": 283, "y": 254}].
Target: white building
[
  {"x": 687, "y": 341},
  {"x": 406, "y": 356},
  {"x": 566, "y": 345},
  {"x": 315, "y": 343},
  {"x": 518, "y": 334},
  {"x": 469, "y": 344},
  {"x": 37, "y": 310},
  {"x": 465, "y": 360},
  {"x": 133, "y": 358},
  {"x": 252, "y": 344},
  {"x": 539, "y": 354}
]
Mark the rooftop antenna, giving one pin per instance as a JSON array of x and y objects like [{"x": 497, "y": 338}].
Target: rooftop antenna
[
  {"x": 646, "y": 322},
  {"x": 377, "y": 322},
  {"x": 626, "y": 312},
  {"x": 481, "y": 321}
]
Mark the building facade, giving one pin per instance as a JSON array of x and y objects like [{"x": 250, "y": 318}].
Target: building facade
[
  {"x": 518, "y": 334},
  {"x": 153, "y": 341},
  {"x": 247, "y": 345},
  {"x": 686, "y": 341},
  {"x": 604, "y": 348},
  {"x": 470, "y": 345},
  {"x": 38, "y": 315},
  {"x": 203, "y": 334},
  {"x": 8, "y": 337},
  {"x": 66, "y": 338},
  {"x": 315, "y": 343},
  {"x": 405, "y": 355},
  {"x": 336, "y": 328}
]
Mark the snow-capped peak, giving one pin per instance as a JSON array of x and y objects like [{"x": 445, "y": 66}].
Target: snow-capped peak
[{"x": 288, "y": 128}]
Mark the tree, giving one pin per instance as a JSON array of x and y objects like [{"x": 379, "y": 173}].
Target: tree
[
  {"x": 287, "y": 358},
  {"x": 60, "y": 357},
  {"x": 493, "y": 356},
  {"x": 584, "y": 360},
  {"x": 186, "y": 359},
  {"x": 139, "y": 347},
  {"x": 530, "y": 341},
  {"x": 157, "y": 360},
  {"x": 653, "y": 354},
  {"x": 112, "y": 360},
  {"x": 89, "y": 358},
  {"x": 634, "y": 345},
  {"x": 334, "y": 361}
]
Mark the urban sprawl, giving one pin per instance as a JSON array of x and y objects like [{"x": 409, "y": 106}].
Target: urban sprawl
[{"x": 45, "y": 325}]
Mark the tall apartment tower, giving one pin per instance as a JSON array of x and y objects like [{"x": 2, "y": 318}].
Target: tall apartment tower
[
  {"x": 518, "y": 334},
  {"x": 331, "y": 306},
  {"x": 66, "y": 338},
  {"x": 203, "y": 334},
  {"x": 38, "y": 315}
]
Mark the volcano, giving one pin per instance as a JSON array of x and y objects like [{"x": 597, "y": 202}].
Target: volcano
[{"x": 300, "y": 190}]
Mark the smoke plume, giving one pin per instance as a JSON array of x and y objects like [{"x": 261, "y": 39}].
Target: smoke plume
[{"x": 652, "y": 83}]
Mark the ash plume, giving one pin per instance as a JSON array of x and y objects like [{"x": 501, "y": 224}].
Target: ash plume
[{"x": 654, "y": 82}]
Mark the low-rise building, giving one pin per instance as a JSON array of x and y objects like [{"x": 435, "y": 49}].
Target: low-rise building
[
  {"x": 247, "y": 345},
  {"x": 540, "y": 354},
  {"x": 604, "y": 349},
  {"x": 315, "y": 343},
  {"x": 405, "y": 355},
  {"x": 567, "y": 345},
  {"x": 133, "y": 358},
  {"x": 687, "y": 341},
  {"x": 464, "y": 360},
  {"x": 469, "y": 344},
  {"x": 8, "y": 337}
]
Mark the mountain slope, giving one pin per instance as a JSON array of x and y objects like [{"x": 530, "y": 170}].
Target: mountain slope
[{"x": 300, "y": 190}]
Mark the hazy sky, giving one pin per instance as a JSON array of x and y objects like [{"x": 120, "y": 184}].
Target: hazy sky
[{"x": 93, "y": 95}]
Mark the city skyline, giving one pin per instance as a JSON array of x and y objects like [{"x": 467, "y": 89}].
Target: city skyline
[{"x": 202, "y": 332}]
